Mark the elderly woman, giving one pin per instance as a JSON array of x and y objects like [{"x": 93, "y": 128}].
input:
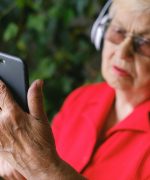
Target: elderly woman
[{"x": 103, "y": 130}]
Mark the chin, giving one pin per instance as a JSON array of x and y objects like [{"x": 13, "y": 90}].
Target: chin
[{"x": 120, "y": 84}]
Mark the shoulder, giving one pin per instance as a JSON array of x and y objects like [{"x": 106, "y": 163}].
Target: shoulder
[
  {"x": 72, "y": 120},
  {"x": 75, "y": 125},
  {"x": 88, "y": 92},
  {"x": 77, "y": 101},
  {"x": 88, "y": 88},
  {"x": 83, "y": 99}
]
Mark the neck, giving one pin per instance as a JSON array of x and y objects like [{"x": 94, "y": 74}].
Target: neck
[{"x": 126, "y": 102}]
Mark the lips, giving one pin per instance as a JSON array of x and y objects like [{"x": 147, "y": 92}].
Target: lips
[{"x": 120, "y": 71}]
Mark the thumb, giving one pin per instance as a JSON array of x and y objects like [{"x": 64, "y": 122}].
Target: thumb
[{"x": 35, "y": 100}]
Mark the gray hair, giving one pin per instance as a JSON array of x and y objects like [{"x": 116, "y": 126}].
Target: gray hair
[{"x": 136, "y": 6}]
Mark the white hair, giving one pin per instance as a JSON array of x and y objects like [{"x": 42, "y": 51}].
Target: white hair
[{"x": 138, "y": 6}]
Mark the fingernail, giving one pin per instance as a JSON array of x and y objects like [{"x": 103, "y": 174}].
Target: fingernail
[{"x": 40, "y": 83}]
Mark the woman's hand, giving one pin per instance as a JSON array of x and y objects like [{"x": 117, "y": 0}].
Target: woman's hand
[
  {"x": 7, "y": 172},
  {"x": 26, "y": 140}
]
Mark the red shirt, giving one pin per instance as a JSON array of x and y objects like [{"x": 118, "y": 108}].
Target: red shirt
[{"x": 125, "y": 153}]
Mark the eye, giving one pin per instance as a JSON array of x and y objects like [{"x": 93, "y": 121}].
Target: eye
[
  {"x": 115, "y": 34},
  {"x": 142, "y": 46}
]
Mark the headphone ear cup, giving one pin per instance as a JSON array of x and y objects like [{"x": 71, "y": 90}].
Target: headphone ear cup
[
  {"x": 99, "y": 26},
  {"x": 98, "y": 32}
]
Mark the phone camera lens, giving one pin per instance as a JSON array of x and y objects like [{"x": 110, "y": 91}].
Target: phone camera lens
[{"x": 2, "y": 60}]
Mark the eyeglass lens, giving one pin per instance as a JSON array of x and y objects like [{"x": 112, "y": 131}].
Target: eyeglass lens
[{"x": 117, "y": 35}]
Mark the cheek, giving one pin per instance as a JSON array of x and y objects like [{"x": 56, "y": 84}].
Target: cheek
[
  {"x": 108, "y": 51},
  {"x": 104, "y": 66},
  {"x": 143, "y": 73},
  {"x": 142, "y": 66},
  {"x": 107, "y": 55}
]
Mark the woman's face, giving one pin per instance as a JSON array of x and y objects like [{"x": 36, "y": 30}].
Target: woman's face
[{"x": 126, "y": 53}]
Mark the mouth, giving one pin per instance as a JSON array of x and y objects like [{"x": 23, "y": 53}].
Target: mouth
[{"x": 120, "y": 71}]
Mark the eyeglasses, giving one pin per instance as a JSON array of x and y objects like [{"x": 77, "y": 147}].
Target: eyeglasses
[{"x": 117, "y": 35}]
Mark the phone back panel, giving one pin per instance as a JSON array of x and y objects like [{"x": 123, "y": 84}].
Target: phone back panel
[{"x": 13, "y": 72}]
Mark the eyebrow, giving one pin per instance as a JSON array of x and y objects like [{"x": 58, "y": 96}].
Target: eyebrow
[
  {"x": 117, "y": 22},
  {"x": 143, "y": 32}
]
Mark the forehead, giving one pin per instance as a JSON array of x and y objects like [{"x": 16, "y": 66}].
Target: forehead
[{"x": 131, "y": 20}]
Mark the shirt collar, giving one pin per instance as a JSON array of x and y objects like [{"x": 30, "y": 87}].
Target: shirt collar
[
  {"x": 138, "y": 120},
  {"x": 101, "y": 104}
]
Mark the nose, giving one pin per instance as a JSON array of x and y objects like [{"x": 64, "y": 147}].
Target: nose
[{"x": 124, "y": 50}]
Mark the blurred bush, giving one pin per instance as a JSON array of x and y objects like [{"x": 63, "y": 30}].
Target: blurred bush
[{"x": 53, "y": 37}]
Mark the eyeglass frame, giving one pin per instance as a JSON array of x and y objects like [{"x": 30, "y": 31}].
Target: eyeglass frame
[{"x": 137, "y": 40}]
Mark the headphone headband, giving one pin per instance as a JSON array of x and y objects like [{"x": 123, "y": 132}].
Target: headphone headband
[{"x": 97, "y": 31}]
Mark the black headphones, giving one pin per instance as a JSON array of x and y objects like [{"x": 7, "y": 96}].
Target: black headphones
[{"x": 98, "y": 28}]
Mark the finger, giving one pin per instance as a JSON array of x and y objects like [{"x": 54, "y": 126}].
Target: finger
[
  {"x": 9, "y": 177},
  {"x": 6, "y": 99},
  {"x": 18, "y": 176},
  {"x": 35, "y": 100}
]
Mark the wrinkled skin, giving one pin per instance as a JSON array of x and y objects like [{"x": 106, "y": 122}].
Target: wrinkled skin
[
  {"x": 26, "y": 141},
  {"x": 7, "y": 172},
  {"x": 27, "y": 148}
]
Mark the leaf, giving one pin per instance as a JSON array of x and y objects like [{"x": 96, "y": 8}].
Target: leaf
[
  {"x": 36, "y": 22},
  {"x": 68, "y": 16},
  {"x": 46, "y": 69},
  {"x": 10, "y": 32},
  {"x": 22, "y": 46},
  {"x": 20, "y": 3},
  {"x": 81, "y": 5}
]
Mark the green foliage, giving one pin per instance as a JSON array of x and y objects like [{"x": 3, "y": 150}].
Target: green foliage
[
  {"x": 53, "y": 37},
  {"x": 10, "y": 32}
]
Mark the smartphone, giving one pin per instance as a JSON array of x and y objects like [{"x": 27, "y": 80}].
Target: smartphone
[{"x": 13, "y": 72}]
